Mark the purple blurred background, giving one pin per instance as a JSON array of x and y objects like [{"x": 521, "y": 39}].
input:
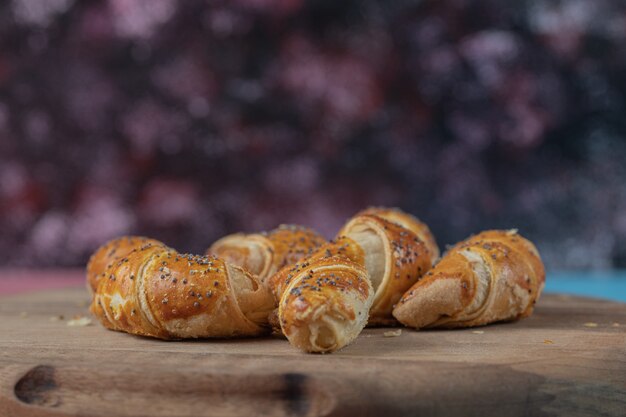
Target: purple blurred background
[{"x": 188, "y": 120}]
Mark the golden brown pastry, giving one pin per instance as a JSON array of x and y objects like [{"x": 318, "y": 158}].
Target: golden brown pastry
[
  {"x": 493, "y": 276},
  {"x": 156, "y": 291},
  {"x": 325, "y": 304},
  {"x": 410, "y": 222},
  {"x": 394, "y": 257},
  {"x": 263, "y": 254},
  {"x": 342, "y": 246},
  {"x": 110, "y": 252}
]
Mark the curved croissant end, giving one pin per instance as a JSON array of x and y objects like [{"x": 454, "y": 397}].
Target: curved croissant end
[
  {"x": 263, "y": 254},
  {"x": 110, "y": 252},
  {"x": 408, "y": 221},
  {"x": 394, "y": 257},
  {"x": 325, "y": 304},
  {"x": 156, "y": 291},
  {"x": 493, "y": 276}
]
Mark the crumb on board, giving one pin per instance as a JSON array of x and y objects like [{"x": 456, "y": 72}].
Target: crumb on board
[
  {"x": 79, "y": 322},
  {"x": 590, "y": 324},
  {"x": 478, "y": 331},
  {"x": 57, "y": 318},
  {"x": 393, "y": 333},
  {"x": 615, "y": 325},
  {"x": 548, "y": 342},
  {"x": 23, "y": 314}
]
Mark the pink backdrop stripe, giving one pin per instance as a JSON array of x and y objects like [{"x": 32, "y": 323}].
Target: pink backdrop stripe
[{"x": 13, "y": 281}]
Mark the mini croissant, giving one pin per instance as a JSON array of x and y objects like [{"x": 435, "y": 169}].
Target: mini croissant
[
  {"x": 394, "y": 256},
  {"x": 325, "y": 304},
  {"x": 493, "y": 276},
  {"x": 263, "y": 254},
  {"x": 152, "y": 290}
]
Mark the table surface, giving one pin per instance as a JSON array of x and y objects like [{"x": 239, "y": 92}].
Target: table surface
[{"x": 568, "y": 358}]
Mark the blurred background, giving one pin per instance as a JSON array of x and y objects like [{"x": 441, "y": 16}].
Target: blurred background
[{"x": 188, "y": 120}]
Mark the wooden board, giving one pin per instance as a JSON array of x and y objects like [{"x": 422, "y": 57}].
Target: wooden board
[{"x": 549, "y": 364}]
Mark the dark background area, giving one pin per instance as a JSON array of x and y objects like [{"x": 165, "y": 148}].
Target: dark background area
[{"x": 185, "y": 121}]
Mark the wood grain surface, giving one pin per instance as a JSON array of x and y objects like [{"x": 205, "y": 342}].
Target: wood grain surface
[{"x": 568, "y": 359}]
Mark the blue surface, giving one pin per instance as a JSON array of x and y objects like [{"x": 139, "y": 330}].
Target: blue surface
[{"x": 609, "y": 285}]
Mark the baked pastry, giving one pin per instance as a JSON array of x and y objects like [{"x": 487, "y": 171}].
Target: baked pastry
[
  {"x": 155, "y": 291},
  {"x": 263, "y": 254},
  {"x": 494, "y": 276},
  {"x": 394, "y": 257},
  {"x": 410, "y": 222},
  {"x": 110, "y": 252},
  {"x": 341, "y": 247},
  {"x": 325, "y": 305}
]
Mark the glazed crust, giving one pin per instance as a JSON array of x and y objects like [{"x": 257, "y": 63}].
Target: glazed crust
[
  {"x": 405, "y": 259},
  {"x": 394, "y": 256},
  {"x": 158, "y": 292},
  {"x": 340, "y": 247},
  {"x": 263, "y": 254},
  {"x": 410, "y": 222},
  {"x": 325, "y": 304},
  {"x": 496, "y": 275},
  {"x": 109, "y": 253}
]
